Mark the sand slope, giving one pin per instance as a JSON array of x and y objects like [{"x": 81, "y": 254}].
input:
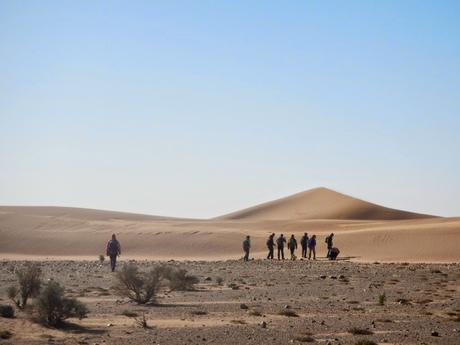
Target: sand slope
[
  {"x": 373, "y": 233},
  {"x": 321, "y": 203}
]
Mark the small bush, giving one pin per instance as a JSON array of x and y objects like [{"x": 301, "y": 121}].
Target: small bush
[
  {"x": 255, "y": 313},
  {"x": 180, "y": 280},
  {"x": 142, "y": 321},
  {"x": 6, "y": 311},
  {"x": 359, "y": 331},
  {"x": 198, "y": 312},
  {"x": 140, "y": 287},
  {"x": 101, "y": 258},
  {"x": 53, "y": 307},
  {"x": 219, "y": 280},
  {"x": 382, "y": 299},
  {"x": 5, "y": 334},
  {"x": 29, "y": 280},
  {"x": 365, "y": 342}
]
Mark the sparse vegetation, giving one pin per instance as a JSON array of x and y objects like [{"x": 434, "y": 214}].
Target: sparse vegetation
[
  {"x": 180, "y": 280},
  {"x": 382, "y": 299},
  {"x": 199, "y": 312},
  {"x": 142, "y": 321},
  {"x": 53, "y": 307},
  {"x": 140, "y": 287},
  {"x": 255, "y": 313},
  {"x": 360, "y": 331},
  {"x": 101, "y": 258},
  {"x": 29, "y": 281},
  {"x": 6, "y": 311}
]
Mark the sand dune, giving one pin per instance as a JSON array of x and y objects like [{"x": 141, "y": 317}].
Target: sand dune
[
  {"x": 321, "y": 203},
  {"x": 364, "y": 231}
]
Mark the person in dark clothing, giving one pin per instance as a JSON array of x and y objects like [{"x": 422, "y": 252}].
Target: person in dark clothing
[
  {"x": 271, "y": 246},
  {"x": 329, "y": 244},
  {"x": 333, "y": 253},
  {"x": 292, "y": 245},
  {"x": 280, "y": 241},
  {"x": 312, "y": 247},
  {"x": 113, "y": 250},
  {"x": 246, "y": 248},
  {"x": 304, "y": 244}
]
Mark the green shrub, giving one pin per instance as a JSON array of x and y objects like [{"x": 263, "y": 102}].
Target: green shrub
[
  {"x": 53, "y": 307},
  {"x": 179, "y": 279}
]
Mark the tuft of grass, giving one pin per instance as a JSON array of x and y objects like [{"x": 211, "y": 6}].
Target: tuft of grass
[
  {"x": 198, "y": 312},
  {"x": 382, "y": 299},
  {"x": 255, "y": 313},
  {"x": 360, "y": 331},
  {"x": 219, "y": 280},
  {"x": 288, "y": 313},
  {"x": 101, "y": 258},
  {"x": 238, "y": 322}
]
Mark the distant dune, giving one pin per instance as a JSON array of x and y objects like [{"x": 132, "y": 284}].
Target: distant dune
[
  {"x": 321, "y": 203},
  {"x": 364, "y": 231}
]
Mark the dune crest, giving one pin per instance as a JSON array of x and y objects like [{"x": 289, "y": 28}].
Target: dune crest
[{"x": 321, "y": 203}]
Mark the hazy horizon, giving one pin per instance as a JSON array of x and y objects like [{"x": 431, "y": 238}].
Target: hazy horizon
[{"x": 200, "y": 109}]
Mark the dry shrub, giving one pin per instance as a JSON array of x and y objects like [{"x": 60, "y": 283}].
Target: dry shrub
[
  {"x": 53, "y": 307},
  {"x": 179, "y": 279},
  {"x": 140, "y": 287},
  {"x": 29, "y": 281}
]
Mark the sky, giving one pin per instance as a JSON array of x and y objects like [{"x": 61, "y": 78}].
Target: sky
[{"x": 199, "y": 108}]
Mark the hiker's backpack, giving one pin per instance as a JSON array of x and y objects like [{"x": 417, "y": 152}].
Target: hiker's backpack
[{"x": 113, "y": 247}]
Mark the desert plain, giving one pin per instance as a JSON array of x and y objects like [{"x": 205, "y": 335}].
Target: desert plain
[{"x": 412, "y": 259}]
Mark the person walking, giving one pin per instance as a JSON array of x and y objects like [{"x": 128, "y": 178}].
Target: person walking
[
  {"x": 312, "y": 247},
  {"x": 280, "y": 241},
  {"x": 270, "y": 246},
  {"x": 292, "y": 245},
  {"x": 304, "y": 244},
  {"x": 113, "y": 250},
  {"x": 246, "y": 248},
  {"x": 329, "y": 245}
]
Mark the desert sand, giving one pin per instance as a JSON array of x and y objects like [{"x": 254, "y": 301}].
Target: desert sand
[
  {"x": 364, "y": 231},
  {"x": 411, "y": 258}
]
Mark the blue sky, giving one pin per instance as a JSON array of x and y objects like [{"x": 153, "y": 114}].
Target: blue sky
[{"x": 200, "y": 108}]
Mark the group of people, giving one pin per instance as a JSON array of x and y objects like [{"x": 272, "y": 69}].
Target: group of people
[{"x": 307, "y": 243}]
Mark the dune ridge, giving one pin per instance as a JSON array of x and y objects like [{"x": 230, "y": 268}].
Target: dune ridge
[{"x": 321, "y": 203}]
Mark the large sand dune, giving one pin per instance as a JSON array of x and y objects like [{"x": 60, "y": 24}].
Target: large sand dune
[
  {"x": 364, "y": 231},
  {"x": 321, "y": 203}
]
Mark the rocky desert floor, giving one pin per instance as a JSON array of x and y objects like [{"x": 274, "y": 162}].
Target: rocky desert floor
[{"x": 257, "y": 302}]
